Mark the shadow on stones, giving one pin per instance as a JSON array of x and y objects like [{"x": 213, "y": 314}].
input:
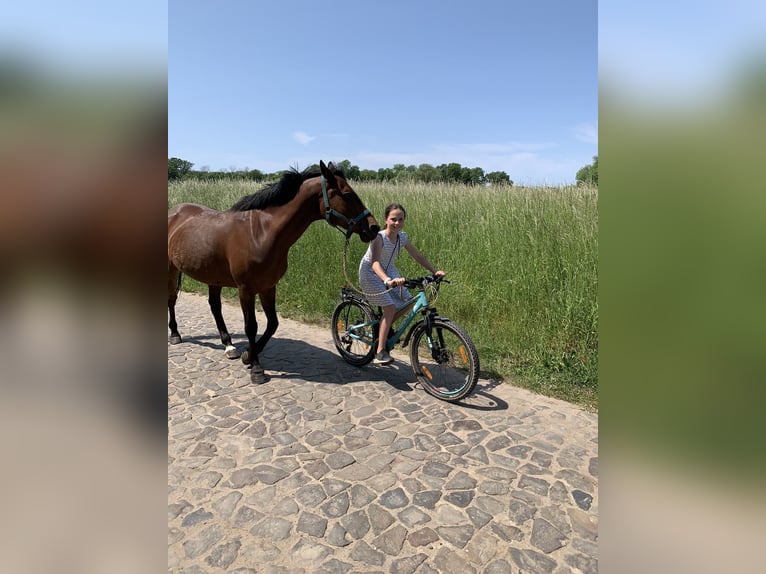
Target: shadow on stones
[
  {"x": 481, "y": 400},
  {"x": 285, "y": 359},
  {"x": 293, "y": 359},
  {"x": 209, "y": 341}
]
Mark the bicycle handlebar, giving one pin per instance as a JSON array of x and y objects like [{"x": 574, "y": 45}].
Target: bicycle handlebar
[{"x": 418, "y": 282}]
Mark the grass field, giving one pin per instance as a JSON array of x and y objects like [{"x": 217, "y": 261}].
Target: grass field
[{"x": 523, "y": 263}]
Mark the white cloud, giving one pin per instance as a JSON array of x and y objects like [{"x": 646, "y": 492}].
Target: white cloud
[
  {"x": 303, "y": 138},
  {"x": 489, "y": 156},
  {"x": 586, "y": 132},
  {"x": 493, "y": 148},
  {"x": 527, "y": 163}
]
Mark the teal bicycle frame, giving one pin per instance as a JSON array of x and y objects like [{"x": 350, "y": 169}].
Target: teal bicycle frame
[{"x": 419, "y": 303}]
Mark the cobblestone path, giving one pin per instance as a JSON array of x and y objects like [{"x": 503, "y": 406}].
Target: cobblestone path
[{"x": 329, "y": 468}]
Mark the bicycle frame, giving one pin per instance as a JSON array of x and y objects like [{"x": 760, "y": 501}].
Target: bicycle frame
[{"x": 419, "y": 302}]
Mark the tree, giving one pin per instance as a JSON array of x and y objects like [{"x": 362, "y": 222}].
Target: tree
[
  {"x": 588, "y": 175},
  {"x": 255, "y": 175},
  {"x": 498, "y": 177},
  {"x": 472, "y": 176},
  {"x": 385, "y": 174},
  {"x": 351, "y": 171},
  {"x": 177, "y": 168},
  {"x": 344, "y": 166},
  {"x": 452, "y": 172}
]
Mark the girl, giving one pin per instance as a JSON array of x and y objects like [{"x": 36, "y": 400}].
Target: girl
[{"x": 378, "y": 272}]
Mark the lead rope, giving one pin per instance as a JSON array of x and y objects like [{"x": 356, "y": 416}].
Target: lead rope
[
  {"x": 433, "y": 292},
  {"x": 351, "y": 285}
]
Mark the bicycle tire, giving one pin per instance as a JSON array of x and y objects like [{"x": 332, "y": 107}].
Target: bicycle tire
[
  {"x": 353, "y": 351},
  {"x": 449, "y": 372}
]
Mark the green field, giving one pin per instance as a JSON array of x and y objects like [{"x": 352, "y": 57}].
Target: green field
[{"x": 523, "y": 263}]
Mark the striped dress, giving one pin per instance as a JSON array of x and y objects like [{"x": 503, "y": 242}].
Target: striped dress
[{"x": 371, "y": 283}]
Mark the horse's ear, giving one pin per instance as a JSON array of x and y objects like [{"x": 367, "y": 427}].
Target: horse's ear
[{"x": 328, "y": 172}]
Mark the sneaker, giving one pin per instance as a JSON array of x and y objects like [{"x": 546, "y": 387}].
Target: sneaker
[{"x": 382, "y": 358}]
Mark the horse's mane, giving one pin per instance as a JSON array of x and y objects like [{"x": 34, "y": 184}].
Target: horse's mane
[{"x": 279, "y": 193}]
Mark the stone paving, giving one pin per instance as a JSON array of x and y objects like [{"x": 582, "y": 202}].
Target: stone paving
[{"x": 329, "y": 468}]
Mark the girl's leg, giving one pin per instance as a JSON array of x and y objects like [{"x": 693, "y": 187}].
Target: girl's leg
[{"x": 385, "y": 322}]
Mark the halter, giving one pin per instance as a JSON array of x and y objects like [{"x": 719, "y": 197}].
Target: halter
[{"x": 329, "y": 211}]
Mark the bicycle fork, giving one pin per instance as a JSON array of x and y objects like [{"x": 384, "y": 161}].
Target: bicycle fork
[{"x": 434, "y": 346}]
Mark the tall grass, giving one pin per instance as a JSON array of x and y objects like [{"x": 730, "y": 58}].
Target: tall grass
[{"x": 522, "y": 261}]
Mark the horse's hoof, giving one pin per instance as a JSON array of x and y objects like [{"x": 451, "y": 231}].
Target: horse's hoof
[
  {"x": 257, "y": 375},
  {"x": 175, "y": 339},
  {"x": 231, "y": 352},
  {"x": 246, "y": 357}
]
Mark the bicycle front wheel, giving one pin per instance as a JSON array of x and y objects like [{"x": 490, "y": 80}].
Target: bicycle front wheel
[
  {"x": 353, "y": 332},
  {"x": 446, "y": 363}
]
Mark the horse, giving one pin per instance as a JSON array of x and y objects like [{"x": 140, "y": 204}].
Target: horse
[{"x": 246, "y": 246}]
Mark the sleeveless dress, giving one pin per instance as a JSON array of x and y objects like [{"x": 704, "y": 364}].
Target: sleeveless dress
[{"x": 371, "y": 283}]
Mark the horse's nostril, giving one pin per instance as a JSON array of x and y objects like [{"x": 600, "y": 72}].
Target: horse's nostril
[{"x": 375, "y": 229}]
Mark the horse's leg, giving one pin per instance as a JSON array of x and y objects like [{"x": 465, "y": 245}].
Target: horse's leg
[
  {"x": 214, "y": 298},
  {"x": 269, "y": 304},
  {"x": 174, "y": 284},
  {"x": 250, "y": 357}
]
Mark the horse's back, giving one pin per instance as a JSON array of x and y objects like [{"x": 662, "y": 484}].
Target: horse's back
[
  {"x": 197, "y": 242},
  {"x": 184, "y": 210},
  {"x": 190, "y": 214}
]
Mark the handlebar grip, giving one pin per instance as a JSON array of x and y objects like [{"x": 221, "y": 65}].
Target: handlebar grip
[
  {"x": 434, "y": 279},
  {"x": 417, "y": 282}
]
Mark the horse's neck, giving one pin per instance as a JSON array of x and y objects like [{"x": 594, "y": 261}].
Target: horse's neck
[{"x": 293, "y": 219}]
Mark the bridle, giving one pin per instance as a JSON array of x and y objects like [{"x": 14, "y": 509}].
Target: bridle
[{"x": 329, "y": 212}]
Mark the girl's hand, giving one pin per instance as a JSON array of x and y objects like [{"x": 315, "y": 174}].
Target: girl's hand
[{"x": 439, "y": 273}]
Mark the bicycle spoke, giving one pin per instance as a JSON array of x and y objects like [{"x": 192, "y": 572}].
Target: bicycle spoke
[
  {"x": 352, "y": 329},
  {"x": 447, "y": 366}
]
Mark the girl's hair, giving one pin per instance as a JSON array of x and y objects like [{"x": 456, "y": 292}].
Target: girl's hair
[{"x": 391, "y": 206}]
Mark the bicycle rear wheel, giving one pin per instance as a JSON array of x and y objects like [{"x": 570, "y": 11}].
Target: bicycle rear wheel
[
  {"x": 353, "y": 332},
  {"x": 448, "y": 365}
]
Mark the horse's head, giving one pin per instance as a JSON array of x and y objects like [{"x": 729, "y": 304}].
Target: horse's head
[{"x": 342, "y": 206}]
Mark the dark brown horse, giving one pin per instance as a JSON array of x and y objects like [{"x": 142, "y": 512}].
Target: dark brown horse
[{"x": 246, "y": 246}]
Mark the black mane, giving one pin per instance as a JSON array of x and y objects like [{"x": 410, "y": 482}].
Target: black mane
[{"x": 279, "y": 193}]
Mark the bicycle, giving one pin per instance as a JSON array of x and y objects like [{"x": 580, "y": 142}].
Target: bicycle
[{"x": 443, "y": 357}]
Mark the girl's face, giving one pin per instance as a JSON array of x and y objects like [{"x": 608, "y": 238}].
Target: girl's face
[{"x": 395, "y": 220}]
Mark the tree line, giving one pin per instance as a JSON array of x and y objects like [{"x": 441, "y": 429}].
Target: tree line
[
  {"x": 451, "y": 172},
  {"x": 445, "y": 173},
  {"x": 588, "y": 174}
]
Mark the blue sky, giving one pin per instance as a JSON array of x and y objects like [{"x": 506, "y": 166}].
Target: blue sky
[
  {"x": 87, "y": 36},
  {"x": 505, "y": 85},
  {"x": 499, "y": 84},
  {"x": 678, "y": 53}
]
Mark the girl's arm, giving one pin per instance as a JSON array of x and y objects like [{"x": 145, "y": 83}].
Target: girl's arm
[{"x": 420, "y": 258}]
